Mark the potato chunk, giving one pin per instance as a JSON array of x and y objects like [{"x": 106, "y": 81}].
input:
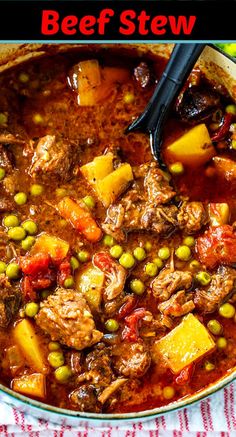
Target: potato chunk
[
  {"x": 31, "y": 385},
  {"x": 90, "y": 283},
  {"x": 219, "y": 214},
  {"x": 98, "y": 169},
  {"x": 193, "y": 148},
  {"x": 29, "y": 344},
  {"x": 54, "y": 246},
  {"x": 185, "y": 344},
  {"x": 108, "y": 183},
  {"x": 110, "y": 187}
]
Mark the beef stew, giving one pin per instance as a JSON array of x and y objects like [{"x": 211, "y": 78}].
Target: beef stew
[{"x": 108, "y": 263}]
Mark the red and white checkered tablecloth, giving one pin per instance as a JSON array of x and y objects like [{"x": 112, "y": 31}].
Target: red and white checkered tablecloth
[{"x": 212, "y": 417}]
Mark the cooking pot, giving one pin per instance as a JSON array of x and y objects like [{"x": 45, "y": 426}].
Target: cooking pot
[{"x": 220, "y": 70}]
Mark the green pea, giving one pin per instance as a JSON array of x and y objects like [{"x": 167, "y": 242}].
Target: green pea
[
  {"x": 164, "y": 253},
  {"x": 137, "y": 286},
  {"x": 38, "y": 119},
  {"x": 168, "y": 392},
  {"x": 89, "y": 202},
  {"x": 10, "y": 221},
  {"x": 56, "y": 359},
  {"x": 148, "y": 246},
  {"x": 203, "y": 278},
  {"x": 23, "y": 77},
  {"x": 16, "y": 233},
  {"x": 36, "y": 190},
  {"x": 30, "y": 227},
  {"x": 45, "y": 294},
  {"x": 20, "y": 198},
  {"x": 227, "y": 310},
  {"x": 151, "y": 269},
  {"x": 112, "y": 325},
  {"x": 128, "y": 98},
  {"x": 176, "y": 168},
  {"x": 3, "y": 267},
  {"x": 183, "y": 253},
  {"x": 127, "y": 260},
  {"x": 61, "y": 192},
  {"x": 116, "y": 251},
  {"x": 2, "y": 173},
  {"x": 194, "y": 264},
  {"x": 209, "y": 366},
  {"x": 139, "y": 253},
  {"x": 31, "y": 309},
  {"x": 159, "y": 263},
  {"x": 108, "y": 240},
  {"x": 83, "y": 256},
  {"x": 214, "y": 327},
  {"x": 27, "y": 243},
  {"x": 69, "y": 282},
  {"x": 74, "y": 263},
  {"x": 54, "y": 346},
  {"x": 189, "y": 241},
  {"x": 13, "y": 271},
  {"x": 3, "y": 118},
  {"x": 62, "y": 223},
  {"x": 63, "y": 373},
  {"x": 221, "y": 343},
  {"x": 231, "y": 109}
]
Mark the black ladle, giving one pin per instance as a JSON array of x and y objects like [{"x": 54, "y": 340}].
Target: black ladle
[{"x": 182, "y": 60}]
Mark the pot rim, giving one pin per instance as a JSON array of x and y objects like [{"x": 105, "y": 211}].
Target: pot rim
[
  {"x": 10, "y": 396},
  {"x": 187, "y": 401}
]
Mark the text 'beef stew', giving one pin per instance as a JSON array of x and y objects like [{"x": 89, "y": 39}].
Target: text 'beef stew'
[{"x": 118, "y": 279}]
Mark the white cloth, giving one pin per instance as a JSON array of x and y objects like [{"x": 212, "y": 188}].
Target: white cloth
[{"x": 212, "y": 417}]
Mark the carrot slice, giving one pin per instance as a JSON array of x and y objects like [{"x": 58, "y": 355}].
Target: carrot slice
[{"x": 80, "y": 219}]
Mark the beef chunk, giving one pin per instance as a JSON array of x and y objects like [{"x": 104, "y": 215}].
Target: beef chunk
[
  {"x": 54, "y": 158},
  {"x": 98, "y": 363},
  {"x": 178, "y": 305},
  {"x": 9, "y": 301},
  {"x": 85, "y": 399},
  {"x": 115, "y": 275},
  {"x": 6, "y": 158},
  {"x": 156, "y": 184},
  {"x": 142, "y": 207},
  {"x": 192, "y": 216},
  {"x": 7, "y": 138},
  {"x": 222, "y": 285},
  {"x": 98, "y": 375},
  {"x": 131, "y": 359},
  {"x": 66, "y": 317},
  {"x": 6, "y": 204},
  {"x": 111, "y": 307},
  {"x": 168, "y": 282},
  {"x": 197, "y": 104},
  {"x": 142, "y": 74}
]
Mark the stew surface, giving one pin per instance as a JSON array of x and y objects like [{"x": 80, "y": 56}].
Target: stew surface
[{"x": 117, "y": 278}]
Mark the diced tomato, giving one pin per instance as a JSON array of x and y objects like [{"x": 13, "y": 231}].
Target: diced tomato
[
  {"x": 27, "y": 289},
  {"x": 103, "y": 261},
  {"x": 44, "y": 280},
  {"x": 127, "y": 307},
  {"x": 32, "y": 265},
  {"x": 130, "y": 331},
  {"x": 217, "y": 246},
  {"x": 64, "y": 271},
  {"x": 185, "y": 375},
  {"x": 224, "y": 128},
  {"x": 39, "y": 273}
]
